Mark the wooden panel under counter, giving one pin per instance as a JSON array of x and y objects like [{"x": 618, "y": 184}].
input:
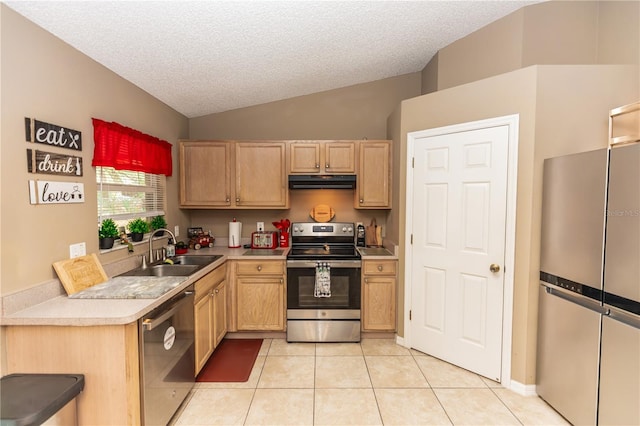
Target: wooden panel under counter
[{"x": 106, "y": 355}]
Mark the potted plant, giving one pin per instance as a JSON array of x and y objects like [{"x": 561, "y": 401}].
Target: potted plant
[
  {"x": 107, "y": 233},
  {"x": 158, "y": 222},
  {"x": 138, "y": 227}
]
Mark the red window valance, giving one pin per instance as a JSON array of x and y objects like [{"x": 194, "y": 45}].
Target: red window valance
[{"x": 124, "y": 148}]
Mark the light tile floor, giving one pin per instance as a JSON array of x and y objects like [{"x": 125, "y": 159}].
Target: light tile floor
[{"x": 373, "y": 382}]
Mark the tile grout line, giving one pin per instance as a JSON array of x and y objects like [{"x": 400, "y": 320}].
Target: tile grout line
[
  {"x": 432, "y": 389},
  {"x": 255, "y": 389},
  {"x": 506, "y": 406}
]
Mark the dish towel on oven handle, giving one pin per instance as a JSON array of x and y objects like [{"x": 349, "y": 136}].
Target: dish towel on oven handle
[{"x": 323, "y": 280}]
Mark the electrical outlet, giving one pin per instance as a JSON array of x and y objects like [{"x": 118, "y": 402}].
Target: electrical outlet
[
  {"x": 76, "y": 250},
  {"x": 176, "y": 230},
  {"x": 260, "y": 226}
]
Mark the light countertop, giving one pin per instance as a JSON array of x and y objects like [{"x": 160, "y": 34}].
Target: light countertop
[{"x": 66, "y": 311}]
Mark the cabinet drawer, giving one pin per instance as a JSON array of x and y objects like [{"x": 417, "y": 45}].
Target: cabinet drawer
[
  {"x": 379, "y": 267},
  {"x": 244, "y": 267},
  {"x": 206, "y": 283}
]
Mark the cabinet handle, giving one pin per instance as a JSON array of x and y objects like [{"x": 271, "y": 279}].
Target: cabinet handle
[
  {"x": 228, "y": 199},
  {"x": 259, "y": 267},
  {"x": 327, "y": 166},
  {"x": 216, "y": 291},
  {"x": 366, "y": 280},
  {"x": 380, "y": 268},
  {"x": 281, "y": 281},
  {"x": 317, "y": 166},
  {"x": 361, "y": 201},
  {"x": 238, "y": 200}
]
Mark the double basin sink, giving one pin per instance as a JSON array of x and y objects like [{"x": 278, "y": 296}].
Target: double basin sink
[{"x": 183, "y": 266}]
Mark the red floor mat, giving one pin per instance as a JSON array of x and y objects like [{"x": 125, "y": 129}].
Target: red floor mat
[{"x": 231, "y": 361}]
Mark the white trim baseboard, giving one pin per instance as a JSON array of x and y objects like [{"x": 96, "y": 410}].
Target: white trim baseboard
[{"x": 521, "y": 389}]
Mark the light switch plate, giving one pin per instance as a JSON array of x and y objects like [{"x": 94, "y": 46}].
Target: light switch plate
[
  {"x": 77, "y": 250},
  {"x": 260, "y": 226},
  {"x": 176, "y": 230}
]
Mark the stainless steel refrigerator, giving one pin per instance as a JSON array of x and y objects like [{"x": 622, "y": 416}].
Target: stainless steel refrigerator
[{"x": 588, "y": 361}]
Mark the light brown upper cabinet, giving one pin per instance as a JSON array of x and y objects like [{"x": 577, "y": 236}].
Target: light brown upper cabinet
[
  {"x": 373, "y": 187},
  {"x": 233, "y": 174},
  {"x": 322, "y": 157},
  {"x": 261, "y": 179},
  {"x": 205, "y": 174}
]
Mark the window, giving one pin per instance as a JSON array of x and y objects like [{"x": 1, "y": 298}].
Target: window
[{"x": 124, "y": 195}]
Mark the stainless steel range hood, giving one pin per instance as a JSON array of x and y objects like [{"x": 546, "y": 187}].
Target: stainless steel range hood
[{"x": 322, "y": 181}]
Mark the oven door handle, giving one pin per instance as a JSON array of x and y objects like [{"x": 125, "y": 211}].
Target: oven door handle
[{"x": 332, "y": 263}]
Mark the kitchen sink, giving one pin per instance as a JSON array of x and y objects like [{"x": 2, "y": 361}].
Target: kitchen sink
[
  {"x": 183, "y": 266},
  {"x": 163, "y": 270},
  {"x": 195, "y": 259}
]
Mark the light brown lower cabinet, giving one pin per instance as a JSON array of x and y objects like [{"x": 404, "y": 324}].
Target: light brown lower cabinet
[
  {"x": 379, "y": 283},
  {"x": 106, "y": 355},
  {"x": 210, "y": 314},
  {"x": 260, "y": 295}
]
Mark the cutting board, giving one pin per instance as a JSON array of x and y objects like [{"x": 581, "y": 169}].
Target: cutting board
[
  {"x": 373, "y": 234},
  {"x": 80, "y": 273},
  {"x": 322, "y": 213}
]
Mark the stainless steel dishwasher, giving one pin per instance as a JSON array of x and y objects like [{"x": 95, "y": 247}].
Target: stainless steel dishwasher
[{"x": 166, "y": 358}]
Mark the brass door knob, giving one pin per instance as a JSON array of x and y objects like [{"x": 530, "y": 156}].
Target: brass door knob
[{"x": 494, "y": 268}]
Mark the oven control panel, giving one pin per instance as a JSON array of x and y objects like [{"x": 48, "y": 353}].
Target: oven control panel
[{"x": 315, "y": 229}]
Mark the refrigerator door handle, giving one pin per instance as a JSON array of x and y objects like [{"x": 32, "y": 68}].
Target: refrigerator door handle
[
  {"x": 623, "y": 317},
  {"x": 583, "y": 301}
]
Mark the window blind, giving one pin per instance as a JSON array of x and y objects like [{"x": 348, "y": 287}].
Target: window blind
[{"x": 125, "y": 195}]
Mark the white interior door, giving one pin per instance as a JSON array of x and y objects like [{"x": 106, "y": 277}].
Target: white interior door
[{"x": 458, "y": 251}]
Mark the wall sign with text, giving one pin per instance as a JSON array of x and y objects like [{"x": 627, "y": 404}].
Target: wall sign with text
[
  {"x": 52, "y": 134},
  {"x": 50, "y": 192},
  {"x": 52, "y": 163}
]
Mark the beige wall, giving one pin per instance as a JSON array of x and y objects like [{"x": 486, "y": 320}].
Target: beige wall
[
  {"x": 562, "y": 109},
  {"x": 301, "y": 201},
  {"x": 44, "y": 78},
  {"x": 553, "y": 32},
  {"x": 353, "y": 112}
]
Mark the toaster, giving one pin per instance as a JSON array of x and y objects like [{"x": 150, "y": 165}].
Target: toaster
[{"x": 264, "y": 240}]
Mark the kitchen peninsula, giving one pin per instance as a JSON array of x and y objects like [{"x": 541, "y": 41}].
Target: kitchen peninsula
[{"x": 100, "y": 337}]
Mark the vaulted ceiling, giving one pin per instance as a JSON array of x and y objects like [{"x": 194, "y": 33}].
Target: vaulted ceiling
[{"x": 203, "y": 57}]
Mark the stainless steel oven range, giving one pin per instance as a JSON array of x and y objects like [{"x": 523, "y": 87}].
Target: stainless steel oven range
[{"x": 323, "y": 283}]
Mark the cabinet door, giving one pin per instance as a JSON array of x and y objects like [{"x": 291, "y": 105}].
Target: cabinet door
[
  {"x": 304, "y": 157},
  {"x": 379, "y": 303},
  {"x": 340, "y": 157},
  {"x": 203, "y": 316},
  {"x": 374, "y": 175},
  {"x": 205, "y": 174},
  {"x": 261, "y": 179},
  {"x": 260, "y": 302},
  {"x": 219, "y": 312}
]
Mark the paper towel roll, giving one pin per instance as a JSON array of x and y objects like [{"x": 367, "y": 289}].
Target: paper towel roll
[{"x": 235, "y": 232}]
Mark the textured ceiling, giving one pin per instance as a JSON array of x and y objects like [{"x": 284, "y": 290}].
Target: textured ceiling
[{"x": 202, "y": 57}]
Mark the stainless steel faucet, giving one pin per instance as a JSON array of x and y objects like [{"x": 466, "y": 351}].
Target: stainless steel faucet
[{"x": 151, "y": 260}]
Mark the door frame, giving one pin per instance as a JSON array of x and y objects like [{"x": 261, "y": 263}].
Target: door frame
[{"x": 512, "y": 121}]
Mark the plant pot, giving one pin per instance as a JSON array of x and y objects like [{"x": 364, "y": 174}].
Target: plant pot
[
  {"x": 106, "y": 243},
  {"x": 137, "y": 236},
  {"x": 158, "y": 234}
]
